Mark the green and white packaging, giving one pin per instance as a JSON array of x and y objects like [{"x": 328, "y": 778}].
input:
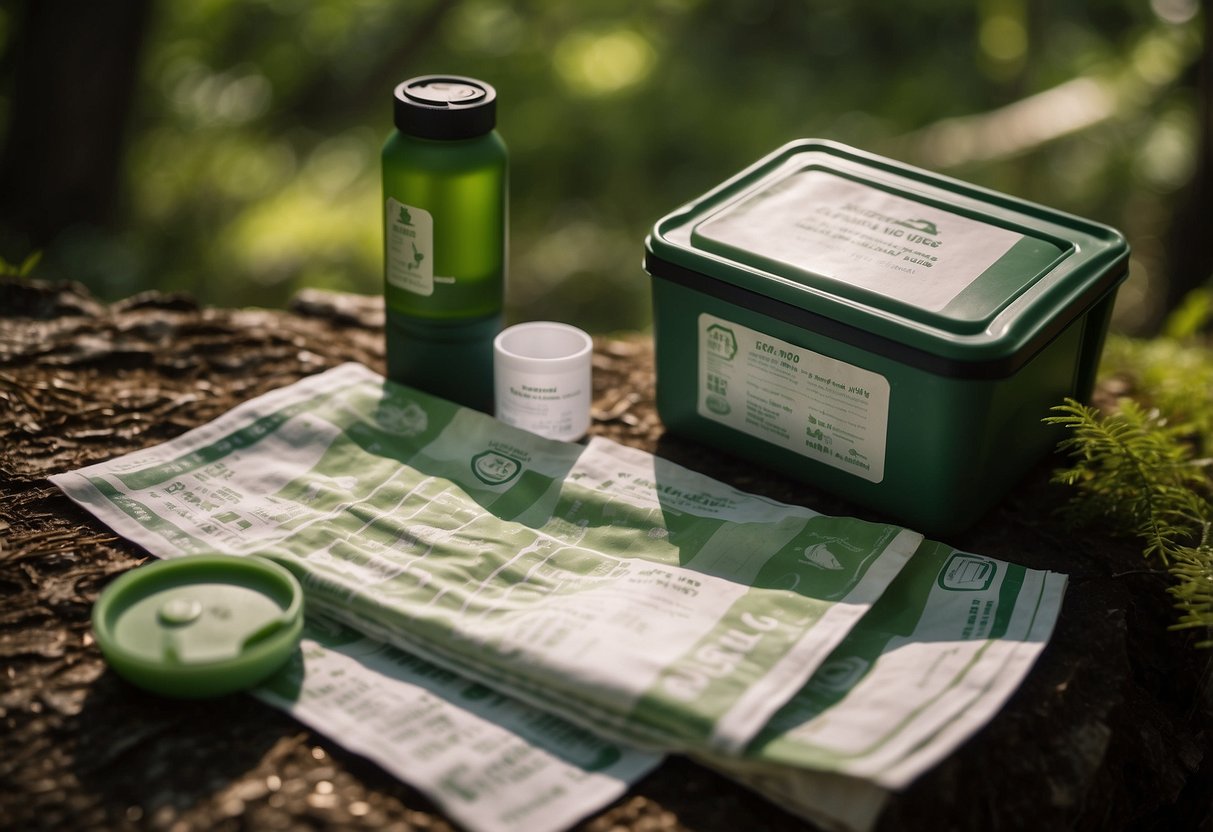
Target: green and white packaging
[
  {"x": 492, "y": 764},
  {"x": 932, "y": 662},
  {"x": 602, "y": 583},
  {"x": 809, "y": 656}
]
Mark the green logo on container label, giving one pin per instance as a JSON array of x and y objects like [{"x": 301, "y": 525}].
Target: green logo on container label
[
  {"x": 925, "y": 226},
  {"x": 718, "y": 405},
  {"x": 494, "y": 468},
  {"x": 721, "y": 341},
  {"x": 967, "y": 573}
]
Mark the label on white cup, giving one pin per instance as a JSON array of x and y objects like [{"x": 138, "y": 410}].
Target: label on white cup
[{"x": 555, "y": 405}]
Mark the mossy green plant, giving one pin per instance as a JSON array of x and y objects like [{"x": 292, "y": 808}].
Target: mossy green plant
[{"x": 1140, "y": 466}]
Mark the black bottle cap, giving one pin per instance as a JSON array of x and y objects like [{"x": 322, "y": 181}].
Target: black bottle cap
[{"x": 445, "y": 107}]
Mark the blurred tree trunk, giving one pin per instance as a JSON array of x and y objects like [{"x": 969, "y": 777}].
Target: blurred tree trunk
[
  {"x": 74, "y": 71},
  {"x": 1190, "y": 254}
]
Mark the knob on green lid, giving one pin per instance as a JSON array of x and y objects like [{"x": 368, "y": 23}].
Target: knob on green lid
[{"x": 201, "y": 625}]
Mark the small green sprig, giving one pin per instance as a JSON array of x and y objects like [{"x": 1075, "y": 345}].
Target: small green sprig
[
  {"x": 1193, "y": 570},
  {"x": 22, "y": 269},
  {"x": 1132, "y": 469}
]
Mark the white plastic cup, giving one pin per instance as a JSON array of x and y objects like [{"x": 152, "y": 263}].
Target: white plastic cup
[{"x": 542, "y": 379}]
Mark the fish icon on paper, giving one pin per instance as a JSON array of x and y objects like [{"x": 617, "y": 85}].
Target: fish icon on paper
[
  {"x": 967, "y": 573},
  {"x": 819, "y": 555}
]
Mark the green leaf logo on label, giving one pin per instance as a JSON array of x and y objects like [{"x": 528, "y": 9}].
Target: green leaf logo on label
[
  {"x": 967, "y": 573},
  {"x": 493, "y": 468}
]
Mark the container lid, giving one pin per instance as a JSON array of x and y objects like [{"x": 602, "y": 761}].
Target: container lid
[
  {"x": 891, "y": 258},
  {"x": 201, "y": 625},
  {"x": 445, "y": 107}
]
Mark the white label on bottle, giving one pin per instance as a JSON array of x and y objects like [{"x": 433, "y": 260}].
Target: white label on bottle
[
  {"x": 817, "y": 406},
  {"x": 896, "y": 247},
  {"x": 410, "y": 248}
]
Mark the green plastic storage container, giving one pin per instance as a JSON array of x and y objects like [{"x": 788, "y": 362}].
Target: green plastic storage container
[{"x": 888, "y": 334}]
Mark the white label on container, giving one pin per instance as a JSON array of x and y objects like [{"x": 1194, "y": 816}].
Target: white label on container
[
  {"x": 410, "y": 248},
  {"x": 817, "y": 406},
  {"x": 863, "y": 236},
  {"x": 555, "y": 405}
]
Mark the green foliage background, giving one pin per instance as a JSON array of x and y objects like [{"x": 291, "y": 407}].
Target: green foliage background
[{"x": 251, "y": 165}]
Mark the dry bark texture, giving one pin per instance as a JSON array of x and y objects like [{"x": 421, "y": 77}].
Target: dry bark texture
[{"x": 1112, "y": 729}]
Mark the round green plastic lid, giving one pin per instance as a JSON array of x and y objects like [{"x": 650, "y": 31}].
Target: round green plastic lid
[{"x": 200, "y": 625}]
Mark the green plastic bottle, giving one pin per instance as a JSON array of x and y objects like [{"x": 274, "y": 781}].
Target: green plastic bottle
[{"x": 445, "y": 187}]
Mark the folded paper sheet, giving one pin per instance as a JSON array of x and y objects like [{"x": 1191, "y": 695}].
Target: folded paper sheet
[
  {"x": 492, "y": 763},
  {"x": 632, "y": 597}
]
